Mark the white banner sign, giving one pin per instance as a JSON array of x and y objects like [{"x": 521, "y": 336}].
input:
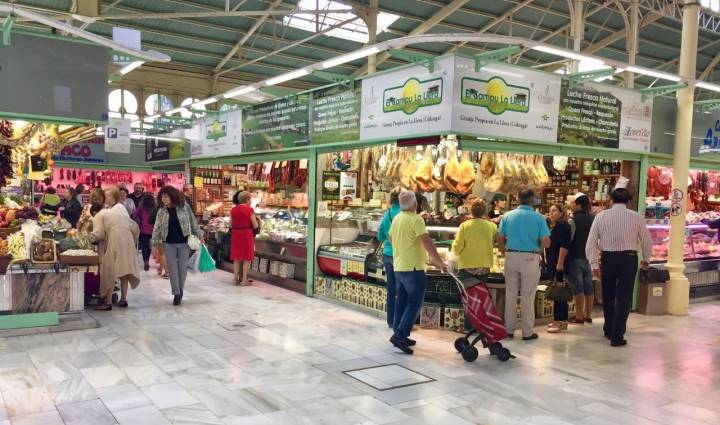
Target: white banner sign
[
  {"x": 635, "y": 120},
  {"x": 505, "y": 101},
  {"x": 216, "y": 135},
  {"x": 117, "y": 135},
  {"x": 408, "y": 102}
]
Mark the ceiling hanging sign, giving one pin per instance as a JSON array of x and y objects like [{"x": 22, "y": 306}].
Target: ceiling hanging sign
[
  {"x": 117, "y": 135},
  {"x": 407, "y": 102},
  {"x": 164, "y": 148},
  {"x": 711, "y": 141},
  {"x": 335, "y": 115},
  {"x": 279, "y": 124},
  {"x": 129, "y": 38},
  {"x": 599, "y": 115},
  {"x": 89, "y": 152},
  {"x": 216, "y": 135},
  {"x": 505, "y": 101}
]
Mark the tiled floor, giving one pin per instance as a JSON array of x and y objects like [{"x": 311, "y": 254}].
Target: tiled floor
[{"x": 265, "y": 356}]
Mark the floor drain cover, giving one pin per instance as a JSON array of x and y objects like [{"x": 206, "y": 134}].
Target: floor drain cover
[
  {"x": 237, "y": 326},
  {"x": 388, "y": 377}
]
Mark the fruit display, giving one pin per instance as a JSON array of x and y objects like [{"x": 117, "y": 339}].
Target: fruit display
[
  {"x": 8, "y": 218},
  {"x": 4, "y": 248},
  {"x": 16, "y": 246},
  {"x": 6, "y": 165},
  {"x": 27, "y": 213},
  {"x": 43, "y": 250}
]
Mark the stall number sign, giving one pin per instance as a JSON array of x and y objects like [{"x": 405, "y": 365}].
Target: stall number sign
[{"x": 711, "y": 142}]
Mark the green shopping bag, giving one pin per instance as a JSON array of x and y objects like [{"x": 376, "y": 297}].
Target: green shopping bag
[{"x": 206, "y": 263}]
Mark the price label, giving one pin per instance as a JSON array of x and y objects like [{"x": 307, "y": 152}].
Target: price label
[{"x": 343, "y": 267}]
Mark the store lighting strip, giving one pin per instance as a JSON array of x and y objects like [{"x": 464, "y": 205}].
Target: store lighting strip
[
  {"x": 130, "y": 67},
  {"x": 239, "y": 92},
  {"x": 456, "y": 38}
]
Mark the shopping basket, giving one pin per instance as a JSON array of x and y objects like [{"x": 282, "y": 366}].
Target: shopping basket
[{"x": 485, "y": 321}]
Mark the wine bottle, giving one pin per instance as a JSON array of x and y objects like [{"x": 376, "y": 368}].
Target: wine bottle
[{"x": 596, "y": 167}]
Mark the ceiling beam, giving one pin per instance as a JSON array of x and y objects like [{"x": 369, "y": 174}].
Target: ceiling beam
[
  {"x": 424, "y": 27},
  {"x": 494, "y": 22},
  {"x": 709, "y": 69},
  {"x": 258, "y": 23}
]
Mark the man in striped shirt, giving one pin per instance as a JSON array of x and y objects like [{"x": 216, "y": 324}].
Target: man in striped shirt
[{"x": 617, "y": 233}]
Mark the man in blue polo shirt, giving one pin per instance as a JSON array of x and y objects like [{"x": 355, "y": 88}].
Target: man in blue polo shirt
[{"x": 524, "y": 233}]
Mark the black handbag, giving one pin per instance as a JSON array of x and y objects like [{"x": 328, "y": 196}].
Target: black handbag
[
  {"x": 559, "y": 291},
  {"x": 654, "y": 275}
]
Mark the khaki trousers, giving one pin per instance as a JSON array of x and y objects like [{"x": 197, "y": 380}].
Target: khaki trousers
[{"x": 522, "y": 275}]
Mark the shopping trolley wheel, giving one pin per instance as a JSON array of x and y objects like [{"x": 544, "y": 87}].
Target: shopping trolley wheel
[
  {"x": 460, "y": 344},
  {"x": 504, "y": 355},
  {"x": 470, "y": 354}
]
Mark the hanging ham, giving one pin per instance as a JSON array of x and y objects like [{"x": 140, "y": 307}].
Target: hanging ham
[
  {"x": 466, "y": 175},
  {"x": 424, "y": 173}
]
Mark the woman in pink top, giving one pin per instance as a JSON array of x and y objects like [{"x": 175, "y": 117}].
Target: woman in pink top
[{"x": 143, "y": 215}]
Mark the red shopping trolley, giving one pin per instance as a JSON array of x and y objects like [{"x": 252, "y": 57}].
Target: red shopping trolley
[{"x": 484, "y": 318}]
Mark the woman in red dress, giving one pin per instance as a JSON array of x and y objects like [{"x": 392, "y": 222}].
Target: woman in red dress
[{"x": 242, "y": 247}]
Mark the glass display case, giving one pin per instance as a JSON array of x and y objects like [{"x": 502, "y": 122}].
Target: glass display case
[{"x": 701, "y": 242}]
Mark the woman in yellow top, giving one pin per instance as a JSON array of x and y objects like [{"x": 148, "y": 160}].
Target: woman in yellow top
[{"x": 473, "y": 244}]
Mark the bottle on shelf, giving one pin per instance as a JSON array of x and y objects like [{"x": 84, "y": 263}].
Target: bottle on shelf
[
  {"x": 596, "y": 167},
  {"x": 587, "y": 167}
]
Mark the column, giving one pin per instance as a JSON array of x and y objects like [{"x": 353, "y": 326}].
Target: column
[
  {"x": 577, "y": 29},
  {"x": 371, "y": 23},
  {"x": 632, "y": 40},
  {"x": 679, "y": 286}
]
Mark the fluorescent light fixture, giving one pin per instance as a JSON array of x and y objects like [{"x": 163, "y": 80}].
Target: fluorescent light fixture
[
  {"x": 287, "y": 77},
  {"x": 331, "y": 63},
  {"x": 239, "y": 91},
  {"x": 565, "y": 53},
  {"x": 205, "y": 102},
  {"x": 708, "y": 86},
  {"x": 131, "y": 66},
  {"x": 652, "y": 73}
]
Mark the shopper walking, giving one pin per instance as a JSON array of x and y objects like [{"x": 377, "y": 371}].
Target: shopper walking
[
  {"x": 387, "y": 258},
  {"x": 175, "y": 222},
  {"x": 617, "y": 234},
  {"x": 117, "y": 235},
  {"x": 127, "y": 202},
  {"x": 524, "y": 233},
  {"x": 473, "y": 244},
  {"x": 242, "y": 247},
  {"x": 50, "y": 202},
  {"x": 71, "y": 208},
  {"x": 138, "y": 194},
  {"x": 555, "y": 260},
  {"x": 158, "y": 251},
  {"x": 579, "y": 273},
  {"x": 142, "y": 216},
  {"x": 411, "y": 246}
]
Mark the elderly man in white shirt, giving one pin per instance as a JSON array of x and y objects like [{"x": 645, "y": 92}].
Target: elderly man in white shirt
[{"x": 617, "y": 233}]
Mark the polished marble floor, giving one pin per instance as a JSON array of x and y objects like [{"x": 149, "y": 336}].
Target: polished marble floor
[{"x": 265, "y": 356}]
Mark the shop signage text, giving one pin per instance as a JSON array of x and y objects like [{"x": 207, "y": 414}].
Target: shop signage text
[
  {"x": 711, "y": 142},
  {"x": 335, "y": 115},
  {"x": 413, "y": 95},
  {"x": 505, "y": 101},
  {"x": 276, "y": 125},
  {"x": 92, "y": 151}
]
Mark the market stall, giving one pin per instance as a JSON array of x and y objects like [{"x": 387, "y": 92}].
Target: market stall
[
  {"x": 279, "y": 198},
  {"x": 702, "y": 247}
]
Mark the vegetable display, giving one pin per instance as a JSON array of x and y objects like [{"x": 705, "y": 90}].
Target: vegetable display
[{"x": 16, "y": 246}]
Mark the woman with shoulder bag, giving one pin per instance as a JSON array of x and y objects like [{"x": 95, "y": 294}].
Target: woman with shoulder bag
[
  {"x": 174, "y": 224},
  {"x": 244, "y": 225},
  {"x": 558, "y": 292}
]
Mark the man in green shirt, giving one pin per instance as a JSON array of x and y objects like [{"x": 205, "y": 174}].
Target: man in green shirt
[{"x": 411, "y": 246}]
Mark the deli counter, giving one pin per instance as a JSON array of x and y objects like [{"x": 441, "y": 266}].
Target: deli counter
[{"x": 702, "y": 254}]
